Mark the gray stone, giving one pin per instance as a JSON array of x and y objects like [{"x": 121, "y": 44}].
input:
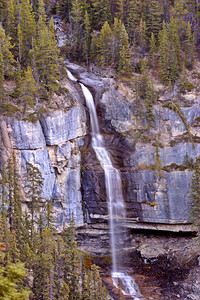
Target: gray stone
[
  {"x": 174, "y": 121},
  {"x": 63, "y": 151},
  {"x": 62, "y": 126},
  {"x": 176, "y": 154},
  {"x": 73, "y": 198},
  {"x": 76, "y": 69},
  {"x": 40, "y": 159},
  {"x": 116, "y": 110},
  {"x": 25, "y": 135}
]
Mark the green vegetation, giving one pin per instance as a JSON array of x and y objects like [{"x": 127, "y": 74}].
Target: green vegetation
[
  {"x": 35, "y": 261},
  {"x": 145, "y": 98}
]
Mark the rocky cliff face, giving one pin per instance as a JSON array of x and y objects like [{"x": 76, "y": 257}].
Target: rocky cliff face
[
  {"x": 149, "y": 197},
  {"x": 53, "y": 145},
  {"x": 59, "y": 145}
]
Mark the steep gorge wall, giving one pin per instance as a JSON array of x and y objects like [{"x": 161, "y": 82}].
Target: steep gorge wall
[
  {"x": 60, "y": 146},
  {"x": 149, "y": 198},
  {"x": 53, "y": 145}
]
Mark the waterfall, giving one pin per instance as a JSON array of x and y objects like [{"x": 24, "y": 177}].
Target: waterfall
[{"x": 116, "y": 207}]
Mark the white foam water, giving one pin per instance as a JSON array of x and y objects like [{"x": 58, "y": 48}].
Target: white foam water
[{"x": 116, "y": 207}]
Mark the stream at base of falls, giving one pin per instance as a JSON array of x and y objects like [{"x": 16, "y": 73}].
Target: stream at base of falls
[{"x": 115, "y": 201}]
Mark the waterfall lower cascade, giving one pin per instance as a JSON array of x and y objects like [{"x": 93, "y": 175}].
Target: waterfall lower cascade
[{"x": 115, "y": 200}]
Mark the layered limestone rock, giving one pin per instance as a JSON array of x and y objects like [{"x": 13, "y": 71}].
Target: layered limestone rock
[
  {"x": 52, "y": 144},
  {"x": 149, "y": 197},
  {"x": 74, "y": 180}
]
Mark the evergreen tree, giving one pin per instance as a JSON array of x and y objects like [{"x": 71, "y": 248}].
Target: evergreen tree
[
  {"x": 142, "y": 36},
  {"x": 14, "y": 200},
  {"x": 28, "y": 90},
  {"x": 100, "y": 13},
  {"x": 175, "y": 54},
  {"x": 105, "y": 45},
  {"x": 94, "y": 47},
  {"x": 153, "y": 19},
  {"x": 26, "y": 30},
  {"x": 195, "y": 195},
  {"x": 41, "y": 13},
  {"x": 2, "y": 10},
  {"x": 152, "y": 51},
  {"x": 8, "y": 58},
  {"x": 12, "y": 23},
  {"x": 86, "y": 42},
  {"x": 125, "y": 61},
  {"x": 33, "y": 184},
  {"x": 77, "y": 18},
  {"x": 179, "y": 13},
  {"x": 18, "y": 80},
  {"x": 12, "y": 285},
  {"x": 145, "y": 98},
  {"x": 2, "y": 81},
  {"x": 164, "y": 67},
  {"x": 120, "y": 47},
  {"x": 189, "y": 48},
  {"x": 194, "y": 15},
  {"x": 71, "y": 271},
  {"x": 46, "y": 58},
  {"x": 44, "y": 268},
  {"x": 134, "y": 14}
]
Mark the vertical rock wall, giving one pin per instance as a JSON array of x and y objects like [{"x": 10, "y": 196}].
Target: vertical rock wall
[{"x": 52, "y": 144}]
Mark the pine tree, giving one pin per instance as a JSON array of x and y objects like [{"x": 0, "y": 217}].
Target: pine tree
[
  {"x": 195, "y": 195},
  {"x": 105, "y": 45},
  {"x": 33, "y": 184},
  {"x": 120, "y": 44},
  {"x": 86, "y": 42},
  {"x": 14, "y": 200},
  {"x": 118, "y": 8},
  {"x": 77, "y": 18},
  {"x": 26, "y": 30},
  {"x": 2, "y": 81},
  {"x": 12, "y": 23},
  {"x": 194, "y": 14},
  {"x": 142, "y": 36},
  {"x": 100, "y": 13},
  {"x": 44, "y": 268},
  {"x": 72, "y": 275},
  {"x": 164, "y": 64},
  {"x": 189, "y": 48},
  {"x": 3, "y": 12},
  {"x": 41, "y": 13},
  {"x": 28, "y": 90},
  {"x": 46, "y": 58},
  {"x": 125, "y": 61},
  {"x": 153, "y": 18},
  {"x": 8, "y": 58},
  {"x": 133, "y": 18},
  {"x": 145, "y": 97},
  {"x": 175, "y": 54},
  {"x": 12, "y": 282},
  {"x": 179, "y": 13},
  {"x": 152, "y": 51},
  {"x": 94, "y": 47},
  {"x": 18, "y": 80}
]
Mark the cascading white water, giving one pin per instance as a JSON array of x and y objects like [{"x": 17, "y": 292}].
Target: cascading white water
[{"x": 116, "y": 207}]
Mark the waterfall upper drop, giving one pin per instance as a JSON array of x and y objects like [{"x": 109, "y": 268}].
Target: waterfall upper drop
[{"x": 116, "y": 207}]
